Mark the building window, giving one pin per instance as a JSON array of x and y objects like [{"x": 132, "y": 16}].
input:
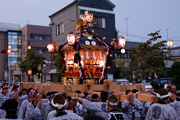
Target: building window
[
  {"x": 40, "y": 36},
  {"x": 60, "y": 29},
  {"x": 100, "y": 22}
]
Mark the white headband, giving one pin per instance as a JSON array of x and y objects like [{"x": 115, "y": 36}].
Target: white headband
[
  {"x": 163, "y": 96},
  {"x": 113, "y": 104},
  {"x": 59, "y": 106}
]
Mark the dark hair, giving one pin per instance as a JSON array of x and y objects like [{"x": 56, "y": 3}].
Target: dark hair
[
  {"x": 104, "y": 96},
  {"x": 69, "y": 98},
  {"x": 134, "y": 91},
  {"x": 10, "y": 106},
  {"x": 78, "y": 91},
  {"x": 163, "y": 92},
  {"x": 127, "y": 91},
  {"x": 93, "y": 117},
  {"x": 112, "y": 99},
  {"x": 178, "y": 96},
  {"x": 94, "y": 96},
  {"x": 15, "y": 87},
  {"x": 59, "y": 99},
  {"x": 24, "y": 89},
  {"x": 29, "y": 90}
]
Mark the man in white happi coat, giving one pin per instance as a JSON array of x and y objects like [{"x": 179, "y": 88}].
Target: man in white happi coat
[{"x": 161, "y": 110}]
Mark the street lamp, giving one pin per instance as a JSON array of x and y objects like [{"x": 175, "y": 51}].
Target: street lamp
[{"x": 29, "y": 47}]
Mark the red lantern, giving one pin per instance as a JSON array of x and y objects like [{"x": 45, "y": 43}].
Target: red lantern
[
  {"x": 122, "y": 42},
  {"x": 29, "y": 72},
  {"x": 50, "y": 47},
  {"x": 169, "y": 43},
  {"x": 89, "y": 17},
  {"x": 71, "y": 38}
]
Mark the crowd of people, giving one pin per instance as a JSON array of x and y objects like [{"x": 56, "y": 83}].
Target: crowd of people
[{"x": 19, "y": 103}]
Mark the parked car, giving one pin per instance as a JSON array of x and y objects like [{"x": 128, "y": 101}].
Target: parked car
[
  {"x": 148, "y": 85},
  {"x": 119, "y": 81},
  {"x": 161, "y": 81}
]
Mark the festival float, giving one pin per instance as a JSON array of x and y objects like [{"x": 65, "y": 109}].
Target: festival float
[{"x": 85, "y": 55}]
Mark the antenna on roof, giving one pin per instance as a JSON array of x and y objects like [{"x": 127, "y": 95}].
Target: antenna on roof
[{"x": 27, "y": 21}]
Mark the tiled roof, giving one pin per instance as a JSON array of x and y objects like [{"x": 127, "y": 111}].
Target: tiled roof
[
  {"x": 9, "y": 26},
  {"x": 175, "y": 51}
]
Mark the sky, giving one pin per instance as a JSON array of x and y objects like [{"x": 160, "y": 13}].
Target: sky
[{"x": 144, "y": 16}]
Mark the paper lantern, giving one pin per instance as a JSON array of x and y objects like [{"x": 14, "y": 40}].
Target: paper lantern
[
  {"x": 71, "y": 39},
  {"x": 29, "y": 72},
  {"x": 122, "y": 42},
  {"x": 89, "y": 17},
  {"x": 169, "y": 43},
  {"x": 50, "y": 47},
  {"x": 123, "y": 51}
]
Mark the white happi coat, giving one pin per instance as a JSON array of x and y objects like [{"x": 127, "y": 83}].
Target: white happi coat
[
  {"x": 159, "y": 111},
  {"x": 176, "y": 106},
  {"x": 116, "y": 115},
  {"x": 68, "y": 116},
  {"x": 99, "y": 108},
  {"x": 35, "y": 113},
  {"x": 23, "y": 108},
  {"x": 2, "y": 113},
  {"x": 53, "y": 114},
  {"x": 128, "y": 108},
  {"x": 3, "y": 98},
  {"x": 11, "y": 119}
]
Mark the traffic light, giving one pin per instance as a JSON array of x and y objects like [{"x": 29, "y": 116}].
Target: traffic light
[{"x": 6, "y": 51}]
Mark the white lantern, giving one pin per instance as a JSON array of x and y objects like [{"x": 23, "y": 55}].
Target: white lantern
[
  {"x": 123, "y": 51},
  {"x": 71, "y": 39},
  {"x": 122, "y": 42}
]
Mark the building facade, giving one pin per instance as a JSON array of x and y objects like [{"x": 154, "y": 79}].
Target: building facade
[
  {"x": 62, "y": 24},
  {"x": 10, "y": 35},
  {"x": 38, "y": 37}
]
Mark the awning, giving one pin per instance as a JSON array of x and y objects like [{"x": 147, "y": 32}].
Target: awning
[
  {"x": 17, "y": 72},
  {"x": 53, "y": 71}
]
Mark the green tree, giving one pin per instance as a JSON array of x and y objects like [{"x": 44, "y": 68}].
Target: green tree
[
  {"x": 148, "y": 58},
  {"x": 31, "y": 62},
  {"x": 175, "y": 72}
]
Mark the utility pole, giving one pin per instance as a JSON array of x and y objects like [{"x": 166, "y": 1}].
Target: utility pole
[
  {"x": 167, "y": 33},
  {"x": 127, "y": 27}
]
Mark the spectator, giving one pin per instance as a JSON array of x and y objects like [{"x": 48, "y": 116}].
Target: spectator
[{"x": 167, "y": 84}]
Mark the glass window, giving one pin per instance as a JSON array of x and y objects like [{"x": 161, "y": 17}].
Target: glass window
[
  {"x": 100, "y": 22},
  {"x": 103, "y": 23},
  {"x": 48, "y": 37},
  {"x": 61, "y": 28},
  {"x": 57, "y": 29}
]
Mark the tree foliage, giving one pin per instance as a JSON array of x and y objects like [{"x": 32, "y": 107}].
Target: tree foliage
[
  {"x": 148, "y": 58},
  {"x": 31, "y": 62},
  {"x": 175, "y": 72},
  {"x": 57, "y": 61}
]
